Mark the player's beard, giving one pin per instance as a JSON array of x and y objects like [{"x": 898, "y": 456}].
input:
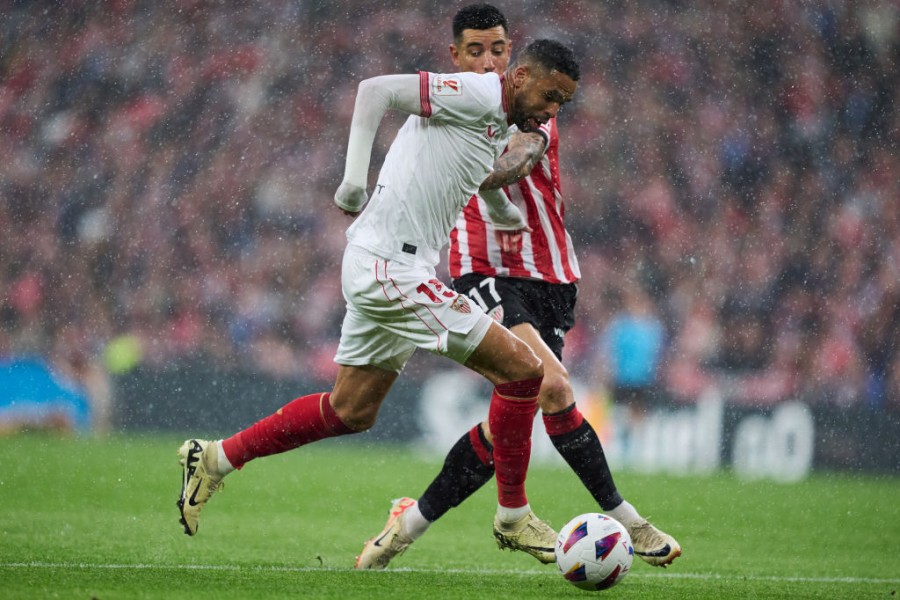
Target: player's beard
[
  {"x": 532, "y": 124},
  {"x": 523, "y": 118}
]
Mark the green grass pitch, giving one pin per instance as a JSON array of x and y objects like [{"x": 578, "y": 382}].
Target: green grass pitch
[{"x": 97, "y": 519}]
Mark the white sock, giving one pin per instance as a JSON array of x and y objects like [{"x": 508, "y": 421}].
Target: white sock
[
  {"x": 625, "y": 514},
  {"x": 413, "y": 524},
  {"x": 225, "y": 466},
  {"x": 511, "y": 515}
]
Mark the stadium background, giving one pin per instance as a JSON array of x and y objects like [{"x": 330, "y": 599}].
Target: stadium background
[{"x": 168, "y": 246}]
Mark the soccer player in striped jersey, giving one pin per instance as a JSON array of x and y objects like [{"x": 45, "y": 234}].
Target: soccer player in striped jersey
[
  {"x": 447, "y": 147},
  {"x": 525, "y": 278}
]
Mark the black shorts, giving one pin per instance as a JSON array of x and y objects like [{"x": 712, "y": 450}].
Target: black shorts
[{"x": 548, "y": 307}]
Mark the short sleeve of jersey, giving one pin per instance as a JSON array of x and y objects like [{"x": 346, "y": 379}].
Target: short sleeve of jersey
[{"x": 458, "y": 97}]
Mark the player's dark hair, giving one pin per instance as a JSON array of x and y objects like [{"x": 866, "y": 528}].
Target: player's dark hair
[
  {"x": 551, "y": 55},
  {"x": 478, "y": 16}
]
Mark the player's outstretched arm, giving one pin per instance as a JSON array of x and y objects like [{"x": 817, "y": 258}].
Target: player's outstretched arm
[
  {"x": 505, "y": 215},
  {"x": 374, "y": 97},
  {"x": 523, "y": 152}
]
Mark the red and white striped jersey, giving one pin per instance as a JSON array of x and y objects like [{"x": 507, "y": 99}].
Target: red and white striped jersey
[{"x": 547, "y": 253}]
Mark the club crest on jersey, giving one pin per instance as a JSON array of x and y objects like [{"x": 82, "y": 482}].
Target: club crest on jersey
[
  {"x": 442, "y": 85},
  {"x": 461, "y": 304}
]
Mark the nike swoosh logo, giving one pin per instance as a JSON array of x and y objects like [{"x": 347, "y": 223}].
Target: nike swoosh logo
[
  {"x": 665, "y": 550},
  {"x": 378, "y": 541},
  {"x": 192, "y": 500}
]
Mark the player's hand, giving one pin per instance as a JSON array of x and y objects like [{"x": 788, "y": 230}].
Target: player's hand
[
  {"x": 350, "y": 198},
  {"x": 505, "y": 215},
  {"x": 510, "y": 240}
]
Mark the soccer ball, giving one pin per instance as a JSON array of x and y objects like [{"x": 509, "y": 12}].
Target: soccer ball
[{"x": 593, "y": 551}]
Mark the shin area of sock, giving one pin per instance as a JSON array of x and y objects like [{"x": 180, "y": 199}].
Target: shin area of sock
[
  {"x": 511, "y": 418},
  {"x": 301, "y": 421}
]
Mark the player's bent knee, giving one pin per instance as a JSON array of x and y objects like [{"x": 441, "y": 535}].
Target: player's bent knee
[
  {"x": 504, "y": 358},
  {"x": 537, "y": 369},
  {"x": 553, "y": 406},
  {"x": 527, "y": 364},
  {"x": 556, "y": 392},
  {"x": 524, "y": 370}
]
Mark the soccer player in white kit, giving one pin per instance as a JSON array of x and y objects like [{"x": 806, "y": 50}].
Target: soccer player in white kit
[
  {"x": 395, "y": 303},
  {"x": 527, "y": 282}
]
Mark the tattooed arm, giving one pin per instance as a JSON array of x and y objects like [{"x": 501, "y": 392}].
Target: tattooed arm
[{"x": 522, "y": 153}]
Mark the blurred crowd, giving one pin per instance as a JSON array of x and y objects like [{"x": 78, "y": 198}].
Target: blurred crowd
[{"x": 731, "y": 172}]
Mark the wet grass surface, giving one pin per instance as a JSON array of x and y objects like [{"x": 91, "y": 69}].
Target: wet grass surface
[{"x": 97, "y": 519}]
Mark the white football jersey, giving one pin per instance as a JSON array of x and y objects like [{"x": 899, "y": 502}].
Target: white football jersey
[{"x": 435, "y": 164}]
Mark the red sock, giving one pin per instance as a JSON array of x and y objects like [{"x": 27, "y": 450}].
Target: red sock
[
  {"x": 483, "y": 449},
  {"x": 510, "y": 416},
  {"x": 299, "y": 422},
  {"x": 568, "y": 419}
]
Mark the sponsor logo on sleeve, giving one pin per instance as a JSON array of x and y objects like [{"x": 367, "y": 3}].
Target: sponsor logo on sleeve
[{"x": 442, "y": 85}]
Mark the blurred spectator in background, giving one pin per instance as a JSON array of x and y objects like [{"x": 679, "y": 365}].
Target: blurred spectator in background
[
  {"x": 80, "y": 371},
  {"x": 631, "y": 347},
  {"x": 168, "y": 169}
]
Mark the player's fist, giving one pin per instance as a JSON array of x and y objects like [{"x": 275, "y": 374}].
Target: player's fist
[{"x": 350, "y": 198}]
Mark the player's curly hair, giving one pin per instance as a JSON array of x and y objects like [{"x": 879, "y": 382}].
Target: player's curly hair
[
  {"x": 478, "y": 16},
  {"x": 551, "y": 55}
]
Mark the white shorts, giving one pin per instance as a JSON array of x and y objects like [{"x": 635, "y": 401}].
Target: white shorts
[{"x": 394, "y": 308}]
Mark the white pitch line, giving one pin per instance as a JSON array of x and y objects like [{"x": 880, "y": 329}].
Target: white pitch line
[{"x": 286, "y": 569}]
